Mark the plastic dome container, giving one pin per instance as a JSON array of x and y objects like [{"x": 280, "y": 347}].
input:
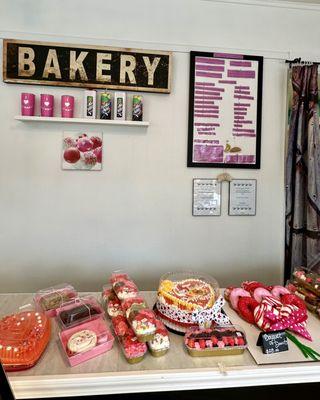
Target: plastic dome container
[
  {"x": 180, "y": 294},
  {"x": 23, "y": 338}
]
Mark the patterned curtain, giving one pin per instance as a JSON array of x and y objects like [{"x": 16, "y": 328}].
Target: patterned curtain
[{"x": 303, "y": 172}]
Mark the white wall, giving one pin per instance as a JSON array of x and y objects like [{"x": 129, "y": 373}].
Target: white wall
[{"x": 136, "y": 214}]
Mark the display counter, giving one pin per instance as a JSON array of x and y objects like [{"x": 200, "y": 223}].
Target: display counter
[{"x": 111, "y": 374}]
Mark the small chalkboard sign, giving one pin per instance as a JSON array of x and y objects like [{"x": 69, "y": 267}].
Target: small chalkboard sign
[
  {"x": 5, "y": 388},
  {"x": 273, "y": 342}
]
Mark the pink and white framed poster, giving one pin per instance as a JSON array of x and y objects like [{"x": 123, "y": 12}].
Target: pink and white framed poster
[{"x": 225, "y": 110}]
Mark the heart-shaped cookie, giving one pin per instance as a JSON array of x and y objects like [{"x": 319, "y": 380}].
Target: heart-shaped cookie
[{"x": 23, "y": 338}]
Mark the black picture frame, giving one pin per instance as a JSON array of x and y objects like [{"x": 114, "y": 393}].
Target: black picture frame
[{"x": 190, "y": 162}]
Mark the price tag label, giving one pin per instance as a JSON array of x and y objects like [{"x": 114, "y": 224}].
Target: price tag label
[{"x": 273, "y": 342}]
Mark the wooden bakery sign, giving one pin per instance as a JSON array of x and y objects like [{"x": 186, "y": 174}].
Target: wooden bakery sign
[{"x": 59, "y": 64}]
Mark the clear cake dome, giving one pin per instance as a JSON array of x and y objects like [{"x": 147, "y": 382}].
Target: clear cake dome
[{"x": 186, "y": 275}]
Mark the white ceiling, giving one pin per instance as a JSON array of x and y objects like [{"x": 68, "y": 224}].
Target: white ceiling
[
  {"x": 298, "y": 1},
  {"x": 283, "y": 3}
]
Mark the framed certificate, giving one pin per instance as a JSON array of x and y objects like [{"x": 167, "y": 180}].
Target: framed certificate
[
  {"x": 206, "y": 197},
  {"x": 242, "y": 197}
]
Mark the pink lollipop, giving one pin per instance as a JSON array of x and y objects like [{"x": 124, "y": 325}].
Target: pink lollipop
[
  {"x": 278, "y": 291},
  {"x": 234, "y": 296},
  {"x": 260, "y": 293}
]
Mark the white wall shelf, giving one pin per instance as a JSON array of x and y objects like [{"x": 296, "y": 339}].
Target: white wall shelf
[{"x": 82, "y": 121}]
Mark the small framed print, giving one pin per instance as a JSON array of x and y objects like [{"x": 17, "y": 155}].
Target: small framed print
[
  {"x": 206, "y": 197},
  {"x": 243, "y": 197}
]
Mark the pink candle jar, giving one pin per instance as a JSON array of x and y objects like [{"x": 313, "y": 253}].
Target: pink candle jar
[
  {"x": 67, "y": 106},
  {"x": 27, "y": 104},
  {"x": 46, "y": 105}
]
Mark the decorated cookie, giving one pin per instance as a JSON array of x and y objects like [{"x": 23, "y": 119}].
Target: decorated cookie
[{"x": 82, "y": 341}]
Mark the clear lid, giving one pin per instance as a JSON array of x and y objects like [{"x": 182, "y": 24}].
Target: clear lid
[
  {"x": 23, "y": 338},
  {"x": 189, "y": 289},
  {"x": 51, "y": 298},
  {"x": 133, "y": 305},
  {"x": 125, "y": 289},
  {"x": 143, "y": 322},
  {"x": 78, "y": 310},
  {"x": 217, "y": 337},
  {"x": 160, "y": 328},
  {"x": 119, "y": 275},
  {"x": 160, "y": 340},
  {"x": 121, "y": 326},
  {"x": 107, "y": 292}
]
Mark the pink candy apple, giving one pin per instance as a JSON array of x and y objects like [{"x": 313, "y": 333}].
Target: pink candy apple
[{"x": 84, "y": 144}]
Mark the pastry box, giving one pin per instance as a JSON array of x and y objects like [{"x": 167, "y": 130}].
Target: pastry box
[
  {"x": 143, "y": 323},
  {"x": 48, "y": 300},
  {"x": 215, "y": 341},
  {"x": 123, "y": 286},
  {"x": 133, "y": 350},
  {"x": 87, "y": 340},
  {"x": 78, "y": 310},
  {"x": 23, "y": 339},
  {"x": 110, "y": 301}
]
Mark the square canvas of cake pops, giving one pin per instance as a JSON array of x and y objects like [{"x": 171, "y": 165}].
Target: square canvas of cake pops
[{"x": 82, "y": 151}]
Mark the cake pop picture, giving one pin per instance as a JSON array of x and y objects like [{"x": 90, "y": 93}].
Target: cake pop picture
[{"x": 82, "y": 151}]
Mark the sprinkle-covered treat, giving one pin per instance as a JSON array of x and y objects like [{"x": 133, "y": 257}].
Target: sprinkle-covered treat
[
  {"x": 143, "y": 323},
  {"x": 215, "y": 341},
  {"x": 160, "y": 343},
  {"x": 133, "y": 350}
]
